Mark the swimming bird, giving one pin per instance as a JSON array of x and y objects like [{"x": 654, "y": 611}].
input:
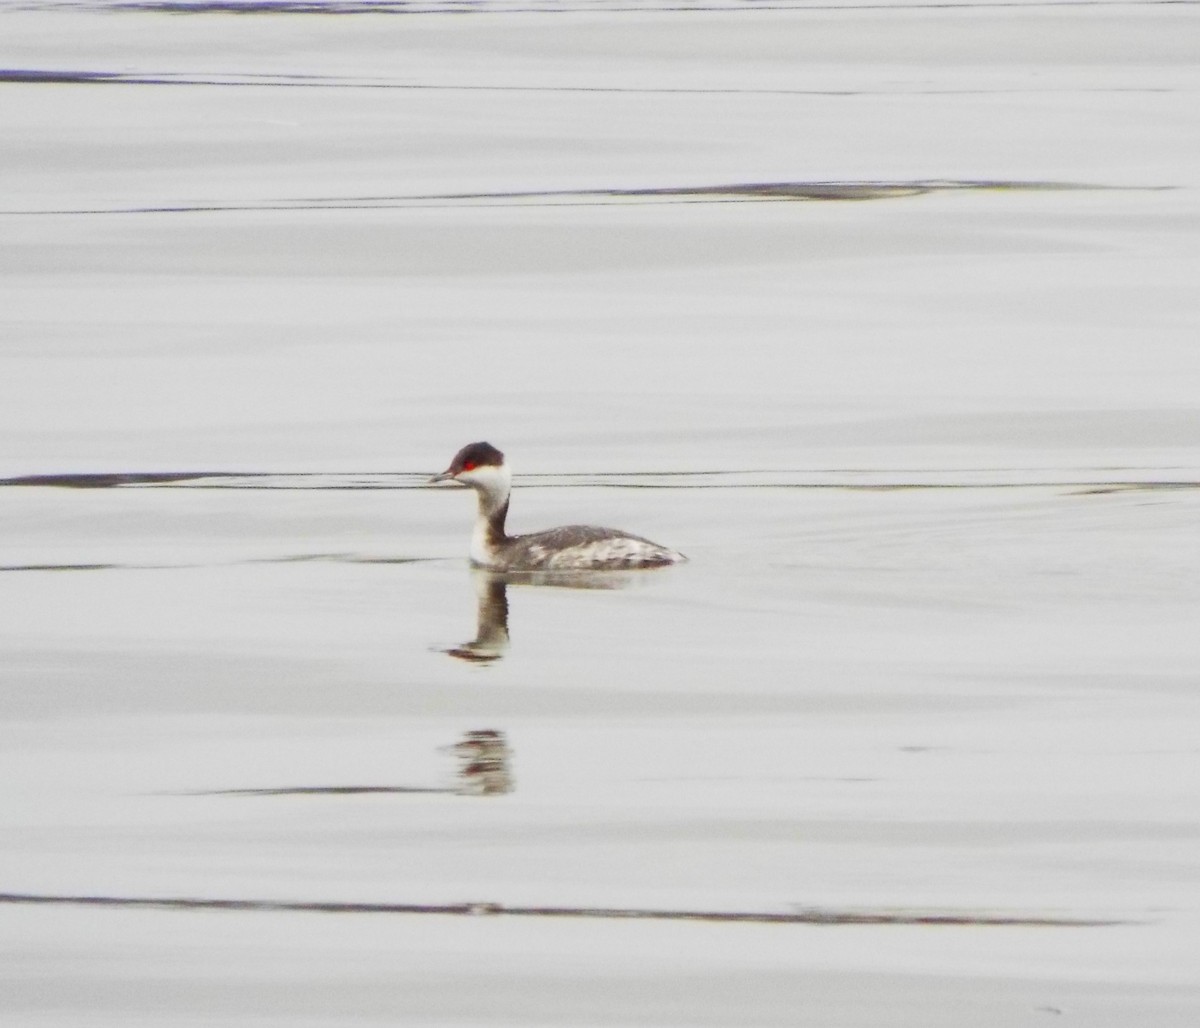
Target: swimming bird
[{"x": 570, "y": 548}]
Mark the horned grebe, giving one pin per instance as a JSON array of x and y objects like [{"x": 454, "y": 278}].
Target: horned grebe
[{"x": 571, "y": 548}]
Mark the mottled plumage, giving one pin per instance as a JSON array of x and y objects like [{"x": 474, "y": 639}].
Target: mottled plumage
[{"x": 570, "y": 548}]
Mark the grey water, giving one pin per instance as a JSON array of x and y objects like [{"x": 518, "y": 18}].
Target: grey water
[{"x": 885, "y": 317}]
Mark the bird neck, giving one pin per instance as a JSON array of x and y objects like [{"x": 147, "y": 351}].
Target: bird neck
[{"x": 489, "y": 532}]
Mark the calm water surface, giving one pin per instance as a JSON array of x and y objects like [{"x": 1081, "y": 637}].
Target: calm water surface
[{"x": 885, "y": 318}]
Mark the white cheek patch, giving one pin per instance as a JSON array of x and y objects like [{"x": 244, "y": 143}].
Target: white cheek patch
[
  {"x": 487, "y": 477},
  {"x": 491, "y": 482}
]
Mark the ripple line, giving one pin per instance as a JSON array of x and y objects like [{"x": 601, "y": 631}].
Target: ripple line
[
  {"x": 1093, "y": 480},
  {"x": 810, "y": 916},
  {"x": 734, "y": 192}
]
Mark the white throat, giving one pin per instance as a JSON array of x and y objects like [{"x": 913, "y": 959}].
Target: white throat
[
  {"x": 493, "y": 484},
  {"x": 483, "y": 549}
]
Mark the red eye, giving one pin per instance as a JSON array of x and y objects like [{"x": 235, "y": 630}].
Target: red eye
[{"x": 469, "y": 465}]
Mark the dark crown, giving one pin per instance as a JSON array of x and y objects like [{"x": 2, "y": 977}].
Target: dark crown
[{"x": 475, "y": 455}]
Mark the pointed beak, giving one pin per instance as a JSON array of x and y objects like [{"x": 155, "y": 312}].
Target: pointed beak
[{"x": 445, "y": 476}]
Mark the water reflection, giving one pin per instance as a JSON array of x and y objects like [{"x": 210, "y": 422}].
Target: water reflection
[
  {"x": 491, "y": 610},
  {"x": 485, "y": 764},
  {"x": 484, "y": 768},
  {"x": 491, "y": 621}
]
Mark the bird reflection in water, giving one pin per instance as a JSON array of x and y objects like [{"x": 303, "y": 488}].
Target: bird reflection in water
[
  {"x": 483, "y": 755},
  {"x": 491, "y": 621},
  {"x": 491, "y": 611},
  {"x": 484, "y": 764}
]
